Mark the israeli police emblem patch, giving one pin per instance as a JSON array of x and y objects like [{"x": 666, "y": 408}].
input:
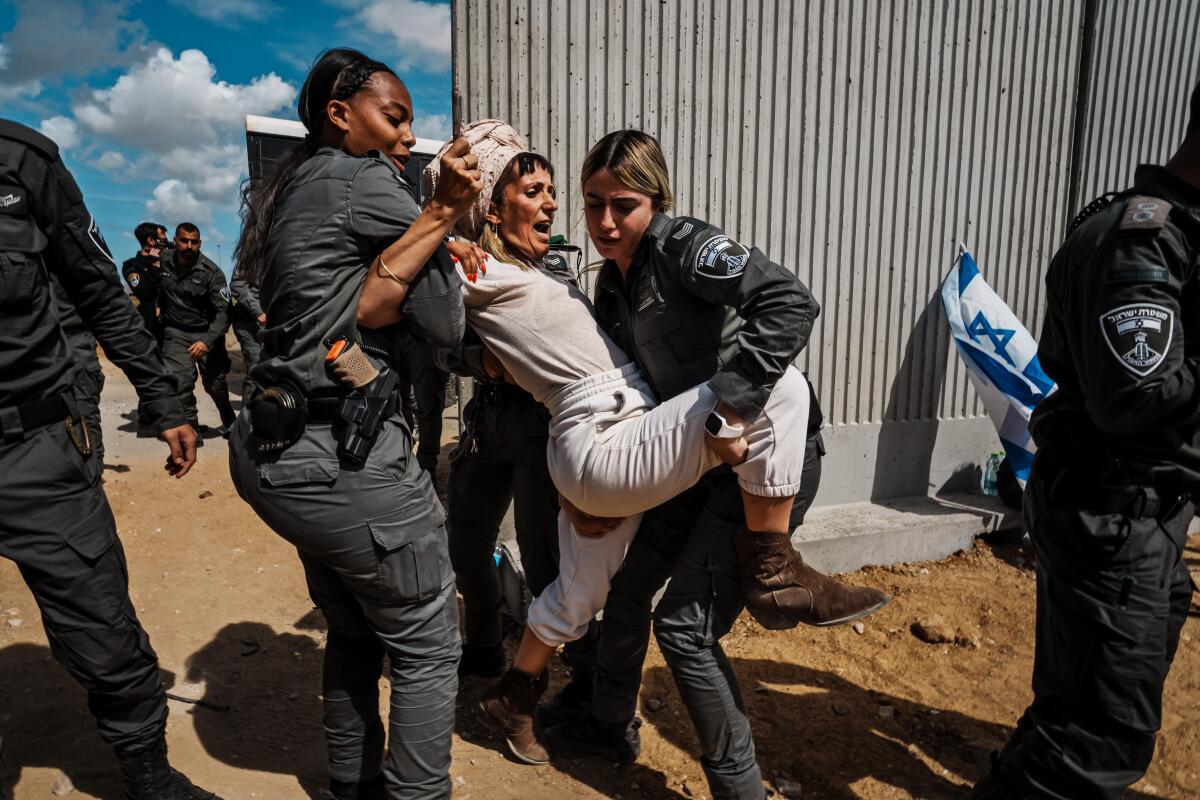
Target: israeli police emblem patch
[
  {"x": 225, "y": 293},
  {"x": 1139, "y": 335},
  {"x": 134, "y": 279},
  {"x": 722, "y": 258}
]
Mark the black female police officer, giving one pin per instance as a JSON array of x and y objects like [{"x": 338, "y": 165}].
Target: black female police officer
[
  {"x": 55, "y": 521},
  {"x": 340, "y": 249}
]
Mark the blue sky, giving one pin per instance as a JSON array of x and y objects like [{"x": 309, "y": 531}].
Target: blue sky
[{"x": 147, "y": 99}]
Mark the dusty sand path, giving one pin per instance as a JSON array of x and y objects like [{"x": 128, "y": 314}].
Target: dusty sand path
[{"x": 846, "y": 715}]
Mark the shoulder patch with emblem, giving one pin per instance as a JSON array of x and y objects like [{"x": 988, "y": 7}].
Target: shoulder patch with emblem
[
  {"x": 225, "y": 293},
  {"x": 1138, "y": 335},
  {"x": 721, "y": 258},
  {"x": 1144, "y": 213},
  {"x": 134, "y": 279}
]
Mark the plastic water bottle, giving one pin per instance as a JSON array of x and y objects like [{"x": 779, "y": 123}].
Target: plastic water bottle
[{"x": 991, "y": 471}]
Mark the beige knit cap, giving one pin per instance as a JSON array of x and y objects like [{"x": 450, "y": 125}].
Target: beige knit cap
[{"x": 495, "y": 144}]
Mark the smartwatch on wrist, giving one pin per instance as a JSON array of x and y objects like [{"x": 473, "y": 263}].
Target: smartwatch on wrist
[{"x": 719, "y": 428}]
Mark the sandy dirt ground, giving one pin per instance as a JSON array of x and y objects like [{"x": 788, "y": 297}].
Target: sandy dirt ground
[{"x": 841, "y": 714}]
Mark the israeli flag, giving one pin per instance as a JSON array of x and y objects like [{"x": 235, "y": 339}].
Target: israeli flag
[{"x": 1001, "y": 358}]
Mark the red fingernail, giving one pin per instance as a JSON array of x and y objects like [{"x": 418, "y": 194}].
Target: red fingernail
[
  {"x": 472, "y": 276},
  {"x": 455, "y": 260}
]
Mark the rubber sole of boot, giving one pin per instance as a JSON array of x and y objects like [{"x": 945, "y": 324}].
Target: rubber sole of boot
[
  {"x": 776, "y": 620},
  {"x": 495, "y": 727}
]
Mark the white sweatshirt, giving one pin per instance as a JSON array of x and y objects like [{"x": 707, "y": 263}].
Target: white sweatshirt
[{"x": 543, "y": 330}]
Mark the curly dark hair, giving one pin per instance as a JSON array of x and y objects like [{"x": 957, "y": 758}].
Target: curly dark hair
[{"x": 337, "y": 74}]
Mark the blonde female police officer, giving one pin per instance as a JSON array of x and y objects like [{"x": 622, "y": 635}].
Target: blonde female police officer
[{"x": 340, "y": 249}]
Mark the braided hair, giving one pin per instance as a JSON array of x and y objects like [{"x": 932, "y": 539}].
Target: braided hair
[{"x": 337, "y": 74}]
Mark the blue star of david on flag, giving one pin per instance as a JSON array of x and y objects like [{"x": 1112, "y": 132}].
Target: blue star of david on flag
[{"x": 1000, "y": 356}]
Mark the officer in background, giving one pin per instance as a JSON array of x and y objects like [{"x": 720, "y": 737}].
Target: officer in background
[
  {"x": 55, "y": 521},
  {"x": 249, "y": 319},
  {"x": 89, "y": 377},
  {"x": 501, "y": 461},
  {"x": 1109, "y": 499},
  {"x": 194, "y": 307},
  {"x": 143, "y": 273}
]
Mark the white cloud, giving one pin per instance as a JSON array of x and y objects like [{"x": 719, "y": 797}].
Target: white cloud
[
  {"x": 112, "y": 162},
  {"x": 171, "y": 119},
  {"x": 62, "y": 130},
  {"x": 228, "y": 12},
  {"x": 173, "y": 200},
  {"x": 166, "y": 103},
  {"x": 420, "y": 31},
  {"x": 434, "y": 126},
  {"x": 53, "y": 39}
]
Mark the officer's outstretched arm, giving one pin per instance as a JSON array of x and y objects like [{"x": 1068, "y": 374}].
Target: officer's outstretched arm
[
  {"x": 777, "y": 310},
  {"x": 1127, "y": 334},
  {"x": 77, "y": 254}
]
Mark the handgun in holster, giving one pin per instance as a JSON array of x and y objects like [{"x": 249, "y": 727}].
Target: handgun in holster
[{"x": 366, "y": 407}]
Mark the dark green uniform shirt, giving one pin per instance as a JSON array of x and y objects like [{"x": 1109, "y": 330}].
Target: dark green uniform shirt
[
  {"x": 46, "y": 229},
  {"x": 1122, "y": 336},
  {"x": 194, "y": 300},
  {"x": 334, "y": 217}
]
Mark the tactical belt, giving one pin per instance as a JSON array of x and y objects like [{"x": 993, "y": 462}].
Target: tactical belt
[
  {"x": 1111, "y": 489},
  {"x": 324, "y": 410},
  {"x": 497, "y": 394},
  {"x": 40, "y": 413},
  {"x": 185, "y": 328}
]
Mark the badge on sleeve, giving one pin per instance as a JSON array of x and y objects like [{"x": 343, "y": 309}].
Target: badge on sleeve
[
  {"x": 722, "y": 258},
  {"x": 1139, "y": 335},
  {"x": 134, "y": 279},
  {"x": 98, "y": 240},
  {"x": 225, "y": 293}
]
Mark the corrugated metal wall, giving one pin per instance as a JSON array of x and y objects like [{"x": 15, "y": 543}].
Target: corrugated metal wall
[
  {"x": 1144, "y": 61},
  {"x": 855, "y": 142}
]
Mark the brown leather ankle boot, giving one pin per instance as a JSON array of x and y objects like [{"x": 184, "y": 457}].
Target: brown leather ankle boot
[
  {"x": 782, "y": 591},
  {"x": 508, "y": 708}
]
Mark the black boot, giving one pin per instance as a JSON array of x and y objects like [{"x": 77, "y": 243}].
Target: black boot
[
  {"x": 148, "y": 776},
  {"x": 587, "y": 737},
  {"x": 486, "y": 661},
  {"x": 373, "y": 789},
  {"x": 573, "y": 701}
]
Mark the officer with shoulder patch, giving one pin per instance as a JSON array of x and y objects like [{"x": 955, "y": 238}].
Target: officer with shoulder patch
[
  {"x": 1109, "y": 498},
  {"x": 194, "y": 303},
  {"x": 249, "y": 320},
  {"x": 690, "y": 305},
  {"x": 143, "y": 273},
  {"x": 55, "y": 521}
]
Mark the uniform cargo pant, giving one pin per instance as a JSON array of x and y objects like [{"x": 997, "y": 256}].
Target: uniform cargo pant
[
  {"x": 506, "y": 466},
  {"x": 690, "y": 541},
  {"x": 247, "y": 330},
  {"x": 373, "y": 546},
  {"x": 1112, "y": 595},
  {"x": 56, "y": 524},
  {"x": 213, "y": 368},
  {"x": 423, "y": 408}
]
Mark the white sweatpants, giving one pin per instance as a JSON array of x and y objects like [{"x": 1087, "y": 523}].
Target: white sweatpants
[{"x": 614, "y": 453}]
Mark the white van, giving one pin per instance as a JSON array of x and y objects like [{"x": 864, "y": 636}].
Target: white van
[{"x": 269, "y": 139}]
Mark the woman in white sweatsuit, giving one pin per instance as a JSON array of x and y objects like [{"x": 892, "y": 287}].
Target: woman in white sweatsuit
[{"x": 613, "y": 451}]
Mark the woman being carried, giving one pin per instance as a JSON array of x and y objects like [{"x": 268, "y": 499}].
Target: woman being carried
[{"x": 614, "y": 451}]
